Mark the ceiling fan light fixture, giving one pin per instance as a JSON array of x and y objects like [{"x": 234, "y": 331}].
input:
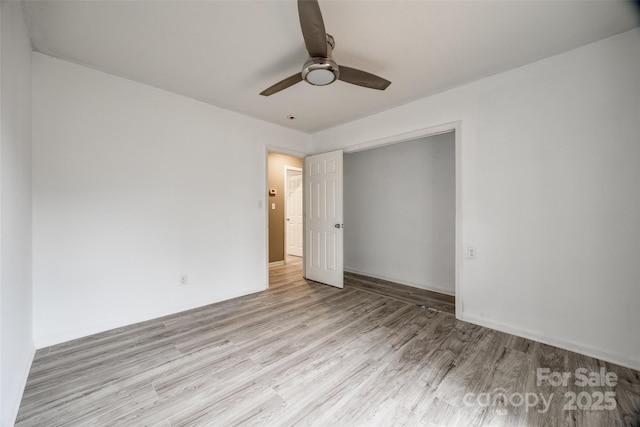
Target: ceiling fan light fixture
[
  {"x": 320, "y": 71},
  {"x": 320, "y": 77}
]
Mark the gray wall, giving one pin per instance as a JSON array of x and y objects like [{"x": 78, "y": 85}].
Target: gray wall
[
  {"x": 16, "y": 343},
  {"x": 399, "y": 211},
  {"x": 134, "y": 187},
  {"x": 549, "y": 171}
]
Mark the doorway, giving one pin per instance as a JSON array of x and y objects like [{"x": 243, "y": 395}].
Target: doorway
[
  {"x": 456, "y": 235},
  {"x": 284, "y": 182},
  {"x": 293, "y": 199},
  {"x": 400, "y": 213}
]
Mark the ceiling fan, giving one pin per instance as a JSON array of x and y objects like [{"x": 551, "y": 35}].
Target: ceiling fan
[{"x": 320, "y": 69}]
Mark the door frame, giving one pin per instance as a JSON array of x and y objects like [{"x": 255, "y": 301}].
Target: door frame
[
  {"x": 286, "y": 188},
  {"x": 263, "y": 201},
  {"x": 456, "y": 128}
]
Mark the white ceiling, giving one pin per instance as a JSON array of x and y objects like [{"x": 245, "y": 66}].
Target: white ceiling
[{"x": 226, "y": 52}]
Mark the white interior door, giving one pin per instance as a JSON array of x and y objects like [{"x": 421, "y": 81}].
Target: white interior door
[
  {"x": 293, "y": 214},
  {"x": 323, "y": 218}
]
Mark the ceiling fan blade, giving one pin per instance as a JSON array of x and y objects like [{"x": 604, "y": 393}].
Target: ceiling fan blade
[
  {"x": 315, "y": 36},
  {"x": 282, "y": 84},
  {"x": 362, "y": 78}
]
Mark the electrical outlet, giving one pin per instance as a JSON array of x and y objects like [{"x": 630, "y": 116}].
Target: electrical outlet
[
  {"x": 184, "y": 279},
  {"x": 471, "y": 252}
]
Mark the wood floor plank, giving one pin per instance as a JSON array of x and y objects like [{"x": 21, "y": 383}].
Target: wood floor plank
[
  {"x": 403, "y": 293},
  {"x": 86, "y": 379},
  {"x": 71, "y": 394},
  {"x": 301, "y": 353}
]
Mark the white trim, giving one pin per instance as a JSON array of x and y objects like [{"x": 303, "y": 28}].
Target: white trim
[
  {"x": 286, "y": 196},
  {"x": 402, "y": 282},
  {"x": 404, "y": 137},
  {"x": 304, "y": 218},
  {"x": 598, "y": 353},
  {"x": 455, "y": 127},
  {"x": 285, "y": 151},
  {"x": 276, "y": 263},
  {"x": 265, "y": 212}
]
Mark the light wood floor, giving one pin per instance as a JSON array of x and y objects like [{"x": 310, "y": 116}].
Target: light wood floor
[
  {"x": 427, "y": 299},
  {"x": 302, "y": 353}
]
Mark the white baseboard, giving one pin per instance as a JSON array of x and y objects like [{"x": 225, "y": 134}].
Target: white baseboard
[
  {"x": 276, "y": 263},
  {"x": 402, "y": 282},
  {"x": 598, "y": 353},
  {"x": 114, "y": 323},
  {"x": 14, "y": 406}
]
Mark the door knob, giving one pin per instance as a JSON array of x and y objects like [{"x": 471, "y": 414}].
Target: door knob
[{"x": 337, "y": 226}]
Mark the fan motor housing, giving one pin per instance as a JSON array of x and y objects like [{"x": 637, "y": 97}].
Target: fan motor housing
[{"x": 320, "y": 71}]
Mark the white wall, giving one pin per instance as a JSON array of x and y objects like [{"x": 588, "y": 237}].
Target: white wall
[
  {"x": 133, "y": 187},
  {"x": 399, "y": 211},
  {"x": 16, "y": 343},
  {"x": 550, "y": 171}
]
